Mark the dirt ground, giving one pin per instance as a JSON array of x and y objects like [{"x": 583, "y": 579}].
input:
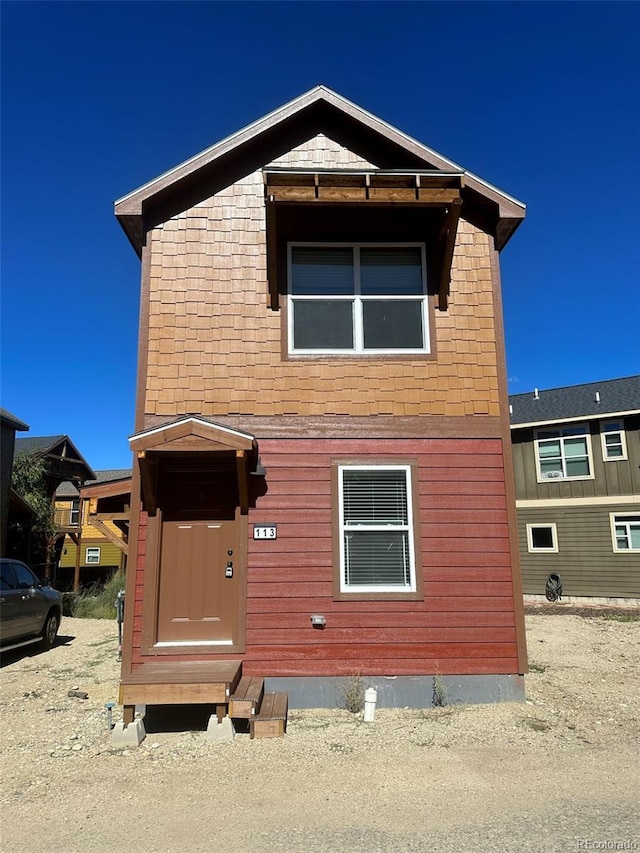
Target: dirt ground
[{"x": 558, "y": 773}]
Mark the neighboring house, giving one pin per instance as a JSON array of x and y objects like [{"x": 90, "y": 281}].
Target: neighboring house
[
  {"x": 64, "y": 463},
  {"x": 98, "y": 515},
  {"x": 9, "y": 425},
  {"x": 323, "y": 481},
  {"x": 577, "y": 470}
]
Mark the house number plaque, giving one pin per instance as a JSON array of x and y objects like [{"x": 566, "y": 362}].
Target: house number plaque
[{"x": 265, "y": 531}]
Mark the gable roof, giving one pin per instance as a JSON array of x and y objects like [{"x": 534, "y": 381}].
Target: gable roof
[
  {"x": 39, "y": 444},
  {"x": 12, "y": 421},
  {"x": 47, "y": 445},
  {"x": 319, "y": 110},
  {"x": 576, "y": 402}
]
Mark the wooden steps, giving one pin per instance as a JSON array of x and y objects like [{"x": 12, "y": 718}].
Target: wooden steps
[
  {"x": 271, "y": 718},
  {"x": 266, "y": 713},
  {"x": 207, "y": 682},
  {"x": 246, "y": 698}
]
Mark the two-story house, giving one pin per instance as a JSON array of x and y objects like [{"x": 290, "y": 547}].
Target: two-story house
[
  {"x": 322, "y": 482},
  {"x": 577, "y": 471}
]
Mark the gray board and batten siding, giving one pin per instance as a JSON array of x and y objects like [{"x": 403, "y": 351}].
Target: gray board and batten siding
[
  {"x": 613, "y": 478},
  {"x": 585, "y": 560},
  {"x": 573, "y": 517}
]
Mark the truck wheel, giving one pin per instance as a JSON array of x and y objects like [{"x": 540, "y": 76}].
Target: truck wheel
[{"x": 50, "y": 631}]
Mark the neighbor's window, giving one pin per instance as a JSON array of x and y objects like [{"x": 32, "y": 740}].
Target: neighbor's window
[
  {"x": 74, "y": 513},
  {"x": 613, "y": 441},
  {"x": 563, "y": 453},
  {"x": 357, "y": 299},
  {"x": 542, "y": 537},
  {"x": 92, "y": 555},
  {"x": 626, "y": 532},
  {"x": 377, "y": 552}
]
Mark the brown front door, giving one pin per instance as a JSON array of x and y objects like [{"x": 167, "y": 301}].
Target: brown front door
[{"x": 199, "y": 570}]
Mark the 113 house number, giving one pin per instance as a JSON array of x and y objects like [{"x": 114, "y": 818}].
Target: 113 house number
[{"x": 266, "y": 531}]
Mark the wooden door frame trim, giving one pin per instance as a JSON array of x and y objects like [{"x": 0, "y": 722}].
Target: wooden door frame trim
[{"x": 151, "y": 596}]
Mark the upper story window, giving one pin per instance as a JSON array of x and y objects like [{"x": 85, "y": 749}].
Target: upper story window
[
  {"x": 563, "y": 453},
  {"x": 74, "y": 513},
  {"x": 357, "y": 299},
  {"x": 613, "y": 441}
]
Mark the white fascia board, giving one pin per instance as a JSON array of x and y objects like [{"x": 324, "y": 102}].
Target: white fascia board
[{"x": 201, "y": 421}]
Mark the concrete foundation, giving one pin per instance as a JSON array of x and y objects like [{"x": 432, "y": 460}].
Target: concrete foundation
[
  {"x": 223, "y": 732},
  {"x": 403, "y": 691},
  {"x": 131, "y": 735}
]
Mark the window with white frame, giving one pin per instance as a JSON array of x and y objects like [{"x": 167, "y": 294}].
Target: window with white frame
[
  {"x": 614, "y": 445},
  {"x": 74, "y": 513},
  {"x": 625, "y": 530},
  {"x": 377, "y": 550},
  {"x": 564, "y": 453},
  {"x": 92, "y": 555},
  {"x": 357, "y": 299},
  {"x": 542, "y": 538}
]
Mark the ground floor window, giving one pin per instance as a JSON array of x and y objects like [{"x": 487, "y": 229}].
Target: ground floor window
[
  {"x": 92, "y": 555},
  {"x": 542, "y": 537},
  {"x": 377, "y": 550},
  {"x": 625, "y": 530}
]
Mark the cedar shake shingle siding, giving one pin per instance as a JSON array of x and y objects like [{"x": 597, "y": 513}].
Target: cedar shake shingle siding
[{"x": 214, "y": 345}]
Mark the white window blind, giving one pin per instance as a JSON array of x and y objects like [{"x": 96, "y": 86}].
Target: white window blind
[{"x": 376, "y": 529}]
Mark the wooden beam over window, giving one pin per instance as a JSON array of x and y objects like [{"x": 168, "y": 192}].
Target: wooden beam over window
[
  {"x": 367, "y": 186},
  {"x": 447, "y": 244}
]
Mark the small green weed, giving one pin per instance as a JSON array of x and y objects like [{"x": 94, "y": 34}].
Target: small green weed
[
  {"x": 537, "y": 667},
  {"x": 622, "y": 617}
]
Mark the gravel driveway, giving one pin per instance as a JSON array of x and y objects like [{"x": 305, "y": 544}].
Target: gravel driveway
[{"x": 558, "y": 773}]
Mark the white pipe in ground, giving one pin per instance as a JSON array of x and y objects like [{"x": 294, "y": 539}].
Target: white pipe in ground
[{"x": 370, "y": 697}]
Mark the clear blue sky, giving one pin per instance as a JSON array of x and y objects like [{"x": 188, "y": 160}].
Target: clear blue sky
[{"x": 540, "y": 99}]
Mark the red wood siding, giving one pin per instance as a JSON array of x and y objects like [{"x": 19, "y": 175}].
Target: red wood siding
[{"x": 465, "y": 624}]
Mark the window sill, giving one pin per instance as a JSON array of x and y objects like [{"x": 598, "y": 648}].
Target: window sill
[{"x": 378, "y": 596}]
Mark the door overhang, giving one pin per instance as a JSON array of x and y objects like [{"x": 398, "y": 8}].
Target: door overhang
[{"x": 192, "y": 436}]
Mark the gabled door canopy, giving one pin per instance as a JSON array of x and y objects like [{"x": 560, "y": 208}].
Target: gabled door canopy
[{"x": 191, "y": 435}]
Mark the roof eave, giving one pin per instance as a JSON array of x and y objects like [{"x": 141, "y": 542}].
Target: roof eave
[{"x": 129, "y": 208}]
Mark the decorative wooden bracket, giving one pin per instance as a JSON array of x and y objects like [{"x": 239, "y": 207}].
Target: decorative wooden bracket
[
  {"x": 272, "y": 252},
  {"x": 446, "y": 246},
  {"x": 148, "y": 481},
  {"x": 243, "y": 480}
]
